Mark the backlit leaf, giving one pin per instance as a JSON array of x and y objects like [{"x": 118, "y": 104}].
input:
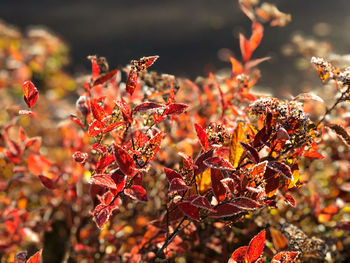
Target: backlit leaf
[
  {"x": 238, "y": 255},
  {"x": 124, "y": 160},
  {"x": 30, "y": 93},
  {"x": 236, "y": 150},
  {"x": 97, "y": 111},
  {"x": 202, "y": 135},
  {"x": 131, "y": 83},
  {"x": 95, "y": 128},
  {"x": 278, "y": 239},
  {"x": 105, "y": 77},
  {"x": 137, "y": 192},
  {"x": 175, "y": 108},
  {"x": 256, "y": 247},
  {"x": 35, "y": 258}
]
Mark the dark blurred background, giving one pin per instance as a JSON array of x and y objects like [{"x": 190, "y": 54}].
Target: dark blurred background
[{"x": 186, "y": 34}]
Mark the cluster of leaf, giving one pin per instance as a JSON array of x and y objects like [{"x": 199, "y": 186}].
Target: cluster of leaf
[
  {"x": 35, "y": 54},
  {"x": 170, "y": 169}
]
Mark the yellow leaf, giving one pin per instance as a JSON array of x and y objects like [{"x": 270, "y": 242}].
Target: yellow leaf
[
  {"x": 296, "y": 177},
  {"x": 236, "y": 150},
  {"x": 203, "y": 181}
]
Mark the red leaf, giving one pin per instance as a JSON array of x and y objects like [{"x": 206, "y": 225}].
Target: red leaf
[
  {"x": 225, "y": 210},
  {"x": 189, "y": 210},
  {"x": 218, "y": 163},
  {"x": 30, "y": 93},
  {"x": 146, "y": 106},
  {"x": 158, "y": 118},
  {"x": 245, "y": 48},
  {"x": 171, "y": 98},
  {"x": 201, "y": 202},
  {"x": 97, "y": 111},
  {"x": 202, "y": 135},
  {"x": 102, "y": 213},
  {"x": 34, "y": 143},
  {"x": 251, "y": 152},
  {"x": 238, "y": 255},
  {"x": 290, "y": 200},
  {"x": 125, "y": 109},
  {"x": 105, "y": 77},
  {"x": 177, "y": 184},
  {"x": 219, "y": 189},
  {"x": 100, "y": 148},
  {"x": 175, "y": 108},
  {"x": 106, "y": 180},
  {"x": 38, "y": 164},
  {"x": 154, "y": 143},
  {"x": 257, "y": 35},
  {"x": 22, "y": 134},
  {"x": 35, "y": 258},
  {"x": 171, "y": 174},
  {"x": 104, "y": 162},
  {"x": 201, "y": 166},
  {"x": 119, "y": 179},
  {"x": 95, "y": 68},
  {"x": 47, "y": 182},
  {"x": 80, "y": 157},
  {"x": 113, "y": 126},
  {"x": 125, "y": 162},
  {"x": 76, "y": 120},
  {"x": 131, "y": 82},
  {"x": 285, "y": 257},
  {"x": 95, "y": 128},
  {"x": 281, "y": 168},
  {"x": 256, "y": 247},
  {"x": 237, "y": 67},
  {"x": 137, "y": 192},
  {"x": 245, "y": 203},
  {"x": 148, "y": 61},
  {"x": 187, "y": 161}
]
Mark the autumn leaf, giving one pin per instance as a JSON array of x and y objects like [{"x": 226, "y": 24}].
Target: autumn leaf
[
  {"x": 131, "y": 83},
  {"x": 189, "y": 210},
  {"x": 245, "y": 203},
  {"x": 202, "y": 135},
  {"x": 236, "y": 150},
  {"x": 218, "y": 163},
  {"x": 137, "y": 192},
  {"x": 35, "y": 258},
  {"x": 219, "y": 189},
  {"x": 31, "y": 93},
  {"x": 124, "y": 160},
  {"x": 281, "y": 168},
  {"x": 256, "y": 247}
]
